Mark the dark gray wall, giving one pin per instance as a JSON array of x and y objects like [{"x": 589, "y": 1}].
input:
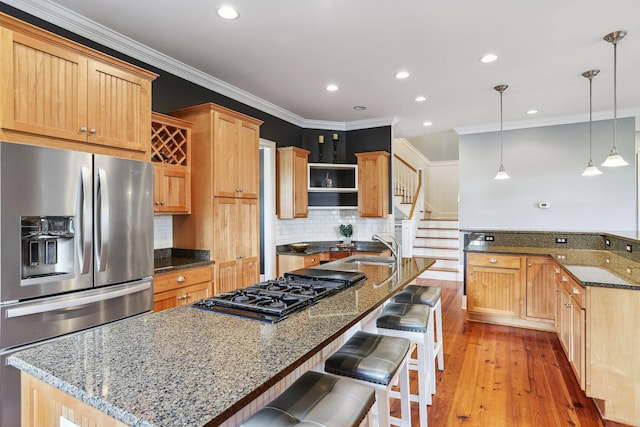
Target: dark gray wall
[{"x": 545, "y": 165}]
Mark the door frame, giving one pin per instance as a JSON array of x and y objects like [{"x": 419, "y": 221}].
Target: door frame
[{"x": 268, "y": 204}]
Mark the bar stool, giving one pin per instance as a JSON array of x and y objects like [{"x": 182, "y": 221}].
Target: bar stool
[
  {"x": 412, "y": 321},
  {"x": 317, "y": 399},
  {"x": 431, "y": 296},
  {"x": 376, "y": 360}
]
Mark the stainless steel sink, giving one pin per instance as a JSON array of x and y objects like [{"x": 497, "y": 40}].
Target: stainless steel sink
[{"x": 371, "y": 260}]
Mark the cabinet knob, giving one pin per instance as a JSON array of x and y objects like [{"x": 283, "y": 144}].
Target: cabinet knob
[
  {"x": 182, "y": 297},
  {"x": 575, "y": 291},
  {"x": 162, "y": 203},
  {"x": 557, "y": 271},
  {"x": 493, "y": 260},
  {"x": 157, "y": 203},
  {"x": 181, "y": 279},
  {"x": 565, "y": 279},
  {"x": 239, "y": 256},
  {"x": 313, "y": 260},
  {"x": 83, "y": 129},
  {"x": 93, "y": 130},
  {"x": 529, "y": 265}
]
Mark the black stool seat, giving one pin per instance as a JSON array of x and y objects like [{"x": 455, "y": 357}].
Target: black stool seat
[
  {"x": 369, "y": 357},
  {"x": 405, "y": 317},
  {"x": 415, "y": 294},
  {"x": 317, "y": 399}
]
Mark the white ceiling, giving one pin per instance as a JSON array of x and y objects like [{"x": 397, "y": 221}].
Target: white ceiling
[{"x": 282, "y": 54}]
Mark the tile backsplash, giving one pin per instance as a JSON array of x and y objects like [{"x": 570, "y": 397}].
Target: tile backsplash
[
  {"x": 162, "y": 231},
  {"x": 323, "y": 225},
  {"x": 320, "y": 225}
]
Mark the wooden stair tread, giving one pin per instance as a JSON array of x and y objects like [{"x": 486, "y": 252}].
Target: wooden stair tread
[
  {"x": 436, "y": 247},
  {"x": 446, "y": 270}
]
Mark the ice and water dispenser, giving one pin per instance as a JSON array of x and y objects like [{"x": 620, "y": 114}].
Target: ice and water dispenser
[{"x": 47, "y": 247}]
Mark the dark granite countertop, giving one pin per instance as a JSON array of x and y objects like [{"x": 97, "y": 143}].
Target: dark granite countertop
[
  {"x": 170, "y": 259},
  {"x": 189, "y": 367},
  {"x": 324, "y": 246}
]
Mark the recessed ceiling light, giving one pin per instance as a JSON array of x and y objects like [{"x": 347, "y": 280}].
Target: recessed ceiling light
[
  {"x": 532, "y": 111},
  {"x": 427, "y": 124},
  {"x": 227, "y": 12},
  {"x": 420, "y": 98},
  {"x": 359, "y": 107},
  {"x": 489, "y": 57},
  {"x": 332, "y": 87},
  {"x": 402, "y": 75}
]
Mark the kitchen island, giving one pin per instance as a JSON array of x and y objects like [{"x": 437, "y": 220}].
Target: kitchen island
[{"x": 189, "y": 367}]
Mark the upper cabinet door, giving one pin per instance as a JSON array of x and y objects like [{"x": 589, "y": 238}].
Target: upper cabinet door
[
  {"x": 44, "y": 88},
  {"x": 248, "y": 156},
  {"x": 373, "y": 184},
  {"x": 236, "y": 157},
  {"x": 119, "y": 108},
  {"x": 225, "y": 155}
]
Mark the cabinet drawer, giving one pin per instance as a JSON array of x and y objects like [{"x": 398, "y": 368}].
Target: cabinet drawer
[
  {"x": 178, "y": 279},
  {"x": 492, "y": 260},
  {"x": 572, "y": 287},
  {"x": 311, "y": 260}
]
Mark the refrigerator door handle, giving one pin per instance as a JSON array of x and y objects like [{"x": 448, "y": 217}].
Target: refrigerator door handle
[
  {"x": 75, "y": 302},
  {"x": 102, "y": 229},
  {"x": 84, "y": 223}
]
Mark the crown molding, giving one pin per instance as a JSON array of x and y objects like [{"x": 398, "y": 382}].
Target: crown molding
[
  {"x": 550, "y": 121},
  {"x": 78, "y": 24}
]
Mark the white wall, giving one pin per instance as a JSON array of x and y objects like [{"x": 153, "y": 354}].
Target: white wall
[
  {"x": 443, "y": 181},
  {"x": 440, "y": 180},
  {"x": 545, "y": 165}
]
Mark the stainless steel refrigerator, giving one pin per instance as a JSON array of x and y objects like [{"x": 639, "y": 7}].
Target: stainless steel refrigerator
[{"x": 76, "y": 249}]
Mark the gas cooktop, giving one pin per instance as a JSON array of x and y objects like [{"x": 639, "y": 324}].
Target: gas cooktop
[{"x": 276, "y": 299}]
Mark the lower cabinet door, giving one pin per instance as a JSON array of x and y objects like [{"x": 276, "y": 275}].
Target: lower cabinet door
[{"x": 494, "y": 291}]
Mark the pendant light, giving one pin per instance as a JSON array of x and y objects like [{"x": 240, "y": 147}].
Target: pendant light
[
  {"x": 614, "y": 159},
  {"x": 502, "y": 174},
  {"x": 591, "y": 170}
]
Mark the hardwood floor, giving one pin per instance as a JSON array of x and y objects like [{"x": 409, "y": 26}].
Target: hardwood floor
[{"x": 502, "y": 376}]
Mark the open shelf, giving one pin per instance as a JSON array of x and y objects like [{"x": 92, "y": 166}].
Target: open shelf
[{"x": 344, "y": 177}]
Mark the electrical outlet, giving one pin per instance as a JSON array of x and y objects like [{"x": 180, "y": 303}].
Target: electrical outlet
[
  {"x": 489, "y": 238},
  {"x": 607, "y": 242},
  {"x": 561, "y": 240},
  {"x": 629, "y": 248}
]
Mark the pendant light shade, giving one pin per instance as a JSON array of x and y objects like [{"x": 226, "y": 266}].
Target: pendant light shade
[
  {"x": 502, "y": 174},
  {"x": 614, "y": 159},
  {"x": 591, "y": 170}
]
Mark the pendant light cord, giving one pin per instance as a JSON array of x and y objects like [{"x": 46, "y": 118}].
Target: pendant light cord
[
  {"x": 501, "y": 129},
  {"x": 615, "y": 94}
]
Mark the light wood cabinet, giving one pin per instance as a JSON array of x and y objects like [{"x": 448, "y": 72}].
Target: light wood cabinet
[
  {"x": 237, "y": 243},
  {"x": 236, "y": 152},
  {"x": 62, "y": 94},
  {"x": 171, "y": 157},
  {"x": 511, "y": 290},
  {"x": 292, "y": 184},
  {"x": 294, "y": 262},
  {"x": 225, "y": 158},
  {"x": 613, "y": 352},
  {"x": 541, "y": 287},
  {"x": 181, "y": 287},
  {"x": 493, "y": 285},
  {"x": 572, "y": 323},
  {"x": 373, "y": 184}
]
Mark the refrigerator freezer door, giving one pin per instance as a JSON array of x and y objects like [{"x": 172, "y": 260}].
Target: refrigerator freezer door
[
  {"x": 41, "y": 319},
  {"x": 123, "y": 225},
  {"x": 37, "y": 182}
]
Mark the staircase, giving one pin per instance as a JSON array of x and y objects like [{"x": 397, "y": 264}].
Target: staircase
[{"x": 439, "y": 239}]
